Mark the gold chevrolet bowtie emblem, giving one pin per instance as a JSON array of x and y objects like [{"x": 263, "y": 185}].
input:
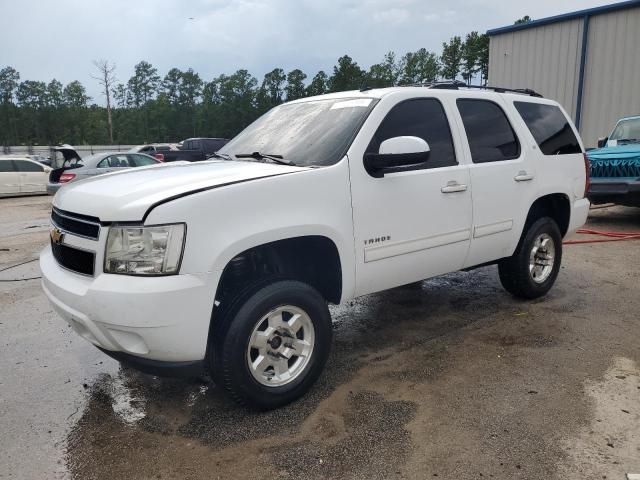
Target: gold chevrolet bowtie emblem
[{"x": 57, "y": 236}]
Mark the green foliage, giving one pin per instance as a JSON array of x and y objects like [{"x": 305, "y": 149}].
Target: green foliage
[
  {"x": 451, "y": 58},
  {"x": 420, "y": 66},
  {"x": 384, "y": 74},
  {"x": 525, "y": 19},
  {"x": 319, "y": 84},
  {"x": 150, "y": 108},
  {"x": 347, "y": 75},
  {"x": 483, "y": 57},
  {"x": 470, "y": 56},
  {"x": 295, "y": 84}
]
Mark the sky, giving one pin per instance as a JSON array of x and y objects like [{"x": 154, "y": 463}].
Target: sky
[{"x": 60, "y": 38}]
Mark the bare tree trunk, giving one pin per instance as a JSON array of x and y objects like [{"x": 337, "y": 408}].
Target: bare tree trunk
[{"x": 106, "y": 78}]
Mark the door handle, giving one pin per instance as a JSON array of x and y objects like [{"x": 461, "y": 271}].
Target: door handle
[
  {"x": 523, "y": 176},
  {"x": 453, "y": 187}
]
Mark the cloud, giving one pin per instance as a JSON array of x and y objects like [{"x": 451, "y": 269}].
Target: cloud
[{"x": 45, "y": 40}]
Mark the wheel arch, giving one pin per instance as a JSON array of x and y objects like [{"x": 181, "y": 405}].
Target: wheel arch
[{"x": 554, "y": 205}]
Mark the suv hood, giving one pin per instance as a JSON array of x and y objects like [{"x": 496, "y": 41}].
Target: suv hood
[{"x": 126, "y": 196}]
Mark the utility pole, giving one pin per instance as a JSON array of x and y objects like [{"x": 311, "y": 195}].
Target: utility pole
[{"x": 106, "y": 78}]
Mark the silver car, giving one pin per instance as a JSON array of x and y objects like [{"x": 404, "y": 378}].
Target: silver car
[{"x": 77, "y": 169}]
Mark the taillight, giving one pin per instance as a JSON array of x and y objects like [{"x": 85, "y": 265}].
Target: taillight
[
  {"x": 587, "y": 174},
  {"x": 159, "y": 156},
  {"x": 66, "y": 177}
]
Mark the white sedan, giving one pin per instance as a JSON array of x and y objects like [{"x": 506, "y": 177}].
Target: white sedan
[{"x": 22, "y": 176}]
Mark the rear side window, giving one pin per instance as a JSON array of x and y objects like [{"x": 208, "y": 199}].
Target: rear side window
[
  {"x": 24, "y": 166},
  {"x": 140, "y": 161},
  {"x": 114, "y": 161},
  {"x": 549, "y": 127},
  {"x": 424, "y": 118},
  {"x": 491, "y": 137},
  {"x": 7, "y": 166}
]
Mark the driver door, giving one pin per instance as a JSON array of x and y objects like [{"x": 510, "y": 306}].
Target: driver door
[{"x": 414, "y": 223}]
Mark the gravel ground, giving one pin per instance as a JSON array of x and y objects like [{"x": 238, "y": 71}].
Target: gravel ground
[{"x": 449, "y": 378}]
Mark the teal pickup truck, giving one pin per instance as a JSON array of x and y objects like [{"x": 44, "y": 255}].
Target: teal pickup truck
[{"x": 615, "y": 165}]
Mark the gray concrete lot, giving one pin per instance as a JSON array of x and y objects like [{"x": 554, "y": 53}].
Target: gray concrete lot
[{"x": 449, "y": 378}]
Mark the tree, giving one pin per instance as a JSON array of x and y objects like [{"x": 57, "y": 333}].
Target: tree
[
  {"x": 525, "y": 19},
  {"x": 171, "y": 85},
  {"x": 417, "y": 67},
  {"x": 347, "y": 75},
  {"x": 483, "y": 58},
  {"x": 190, "y": 88},
  {"x": 121, "y": 95},
  {"x": 319, "y": 84},
  {"x": 470, "y": 56},
  {"x": 9, "y": 78},
  {"x": 272, "y": 90},
  {"x": 143, "y": 86},
  {"x": 106, "y": 78},
  {"x": 144, "y": 83},
  {"x": 384, "y": 74},
  {"x": 75, "y": 95},
  {"x": 295, "y": 84},
  {"x": 451, "y": 58},
  {"x": 55, "y": 98}
]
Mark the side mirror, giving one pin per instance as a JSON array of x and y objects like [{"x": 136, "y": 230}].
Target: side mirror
[
  {"x": 602, "y": 142},
  {"x": 397, "y": 154}
]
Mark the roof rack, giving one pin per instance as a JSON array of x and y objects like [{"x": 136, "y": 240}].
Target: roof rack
[{"x": 457, "y": 84}]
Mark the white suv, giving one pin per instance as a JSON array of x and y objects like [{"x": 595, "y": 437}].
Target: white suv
[{"x": 227, "y": 266}]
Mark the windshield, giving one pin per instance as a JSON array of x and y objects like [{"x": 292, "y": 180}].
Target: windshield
[
  {"x": 313, "y": 133},
  {"x": 628, "y": 130}
]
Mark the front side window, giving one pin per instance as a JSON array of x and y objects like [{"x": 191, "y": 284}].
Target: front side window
[
  {"x": 309, "y": 133},
  {"x": 491, "y": 137},
  {"x": 549, "y": 127},
  {"x": 24, "y": 166},
  {"x": 420, "y": 117}
]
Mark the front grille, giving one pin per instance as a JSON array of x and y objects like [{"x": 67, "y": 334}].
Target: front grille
[
  {"x": 81, "y": 225},
  {"x": 79, "y": 261},
  {"x": 615, "y": 168}
]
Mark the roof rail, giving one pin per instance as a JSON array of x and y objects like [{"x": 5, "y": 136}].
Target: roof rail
[{"x": 457, "y": 84}]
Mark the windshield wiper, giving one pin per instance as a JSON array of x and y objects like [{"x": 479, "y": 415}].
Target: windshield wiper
[
  {"x": 265, "y": 156},
  {"x": 224, "y": 156}
]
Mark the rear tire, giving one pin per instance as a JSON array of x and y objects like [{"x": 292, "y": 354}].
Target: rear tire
[
  {"x": 272, "y": 344},
  {"x": 532, "y": 270}
]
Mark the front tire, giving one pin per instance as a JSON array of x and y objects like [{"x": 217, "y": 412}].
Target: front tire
[
  {"x": 532, "y": 270},
  {"x": 272, "y": 344}
]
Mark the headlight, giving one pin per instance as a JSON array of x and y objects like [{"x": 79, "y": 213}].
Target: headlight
[{"x": 154, "y": 250}]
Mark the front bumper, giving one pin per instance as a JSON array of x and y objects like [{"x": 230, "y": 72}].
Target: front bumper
[
  {"x": 622, "y": 191},
  {"x": 144, "y": 319}
]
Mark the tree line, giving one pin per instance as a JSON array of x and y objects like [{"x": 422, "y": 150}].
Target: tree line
[{"x": 151, "y": 108}]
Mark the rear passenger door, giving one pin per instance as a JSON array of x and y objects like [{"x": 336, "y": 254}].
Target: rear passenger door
[{"x": 502, "y": 174}]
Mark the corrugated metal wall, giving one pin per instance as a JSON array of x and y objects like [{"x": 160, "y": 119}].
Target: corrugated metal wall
[
  {"x": 612, "y": 72},
  {"x": 547, "y": 59}
]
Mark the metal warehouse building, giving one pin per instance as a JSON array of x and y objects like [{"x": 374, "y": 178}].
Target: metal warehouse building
[{"x": 588, "y": 60}]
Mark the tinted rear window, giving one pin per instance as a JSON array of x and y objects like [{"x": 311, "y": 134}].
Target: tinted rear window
[
  {"x": 549, "y": 127},
  {"x": 491, "y": 138}
]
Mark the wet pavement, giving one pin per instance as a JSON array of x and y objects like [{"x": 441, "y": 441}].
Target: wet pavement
[{"x": 447, "y": 378}]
